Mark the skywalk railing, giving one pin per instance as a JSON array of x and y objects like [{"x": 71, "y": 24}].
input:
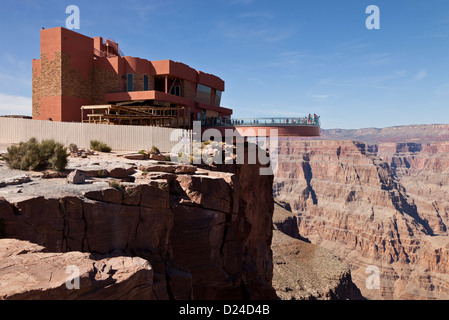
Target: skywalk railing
[{"x": 254, "y": 122}]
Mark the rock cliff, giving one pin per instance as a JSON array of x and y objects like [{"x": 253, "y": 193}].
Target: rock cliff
[
  {"x": 382, "y": 209},
  {"x": 175, "y": 232}
]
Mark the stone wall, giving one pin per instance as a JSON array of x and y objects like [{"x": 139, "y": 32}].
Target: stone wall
[
  {"x": 58, "y": 78},
  {"x": 48, "y": 82}
]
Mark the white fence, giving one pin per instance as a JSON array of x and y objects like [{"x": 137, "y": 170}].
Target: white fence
[{"x": 121, "y": 138}]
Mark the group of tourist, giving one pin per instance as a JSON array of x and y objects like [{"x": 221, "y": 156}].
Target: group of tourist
[{"x": 310, "y": 120}]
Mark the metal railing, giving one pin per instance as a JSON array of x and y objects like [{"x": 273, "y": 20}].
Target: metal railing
[
  {"x": 251, "y": 122},
  {"x": 104, "y": 54}
]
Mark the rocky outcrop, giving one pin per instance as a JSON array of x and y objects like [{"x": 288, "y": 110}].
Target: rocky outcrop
[
  {"x": 27, "y": 273},
  {"x": 202, "y": 234},
  {"x": 353, "y": 203}
]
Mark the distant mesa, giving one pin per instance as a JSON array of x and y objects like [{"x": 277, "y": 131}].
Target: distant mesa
[
  {"x": 16, "y": 116},
  {"x": 406, "y": 133}
]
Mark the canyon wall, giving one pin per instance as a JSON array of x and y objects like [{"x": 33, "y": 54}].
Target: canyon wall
[{"x": 382, "y": 209}]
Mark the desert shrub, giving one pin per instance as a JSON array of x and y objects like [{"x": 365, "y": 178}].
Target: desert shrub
[
  {"x": 116, "y": 185},
  {"x": 155, "y": 150},
  {"x": 58, "y": 159},
  {"x": 33, "y": 155},
  {"x": 101, "y": 174},
  {"x": 73, "y": 148},
  {"x": 99, "y": 146}
]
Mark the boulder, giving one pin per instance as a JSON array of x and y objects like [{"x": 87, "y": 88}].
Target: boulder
[
  {"x": 157, "y": 168},
  {"x": 76, "y": 177},
  {"x": 185, "y": 169},
  {"x": 134, "y": 156},
  {"x": 120, "y": 171},
  {"x": 27, "y": 273},
  {"x": 158, "y": 157}
]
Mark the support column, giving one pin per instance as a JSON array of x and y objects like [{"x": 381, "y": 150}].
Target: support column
[{"x": 166, "y": 83}]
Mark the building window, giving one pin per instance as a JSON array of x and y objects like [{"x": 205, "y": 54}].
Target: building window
[
  {"x": 129, "y": 82},
  {"x": 203, "y": 93},
  {"x": 176, "y": 90},
  {"x": 145, "y": 83},
  {"x": 218, "y": 98}
]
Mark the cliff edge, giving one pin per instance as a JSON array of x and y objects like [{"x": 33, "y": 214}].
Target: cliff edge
[{"x": 159, "y": 231}]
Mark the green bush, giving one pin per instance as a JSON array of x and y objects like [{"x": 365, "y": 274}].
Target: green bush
[
  {"x": 155, "y": 150},
  {"x": 99, "y": 146},
  {"x": 116, "y": 185},
  {"x": 73, "y": 148},
  {"x": 33, "y": 155}
]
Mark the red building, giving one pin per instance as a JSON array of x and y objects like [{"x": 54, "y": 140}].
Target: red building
[{"x": 76, "y": 71}]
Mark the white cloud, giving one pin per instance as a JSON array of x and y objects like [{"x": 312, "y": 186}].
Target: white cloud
[
  {"x": 319, "y": 96},
  {"x": 377, "y": 59},
  {"x": 15, "y": 105},
  {"x": 420, "y": 75},
  {"x": 442, "y": 90}
]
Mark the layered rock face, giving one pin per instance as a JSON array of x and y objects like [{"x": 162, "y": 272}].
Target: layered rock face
[
  {"x": 423, "y": 170},
  {"x": 177, "y": 233},
  {"x": 376, "y": 217}
]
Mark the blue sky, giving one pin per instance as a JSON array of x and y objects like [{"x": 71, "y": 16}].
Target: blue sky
[{"x": 278, "y": 58}]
